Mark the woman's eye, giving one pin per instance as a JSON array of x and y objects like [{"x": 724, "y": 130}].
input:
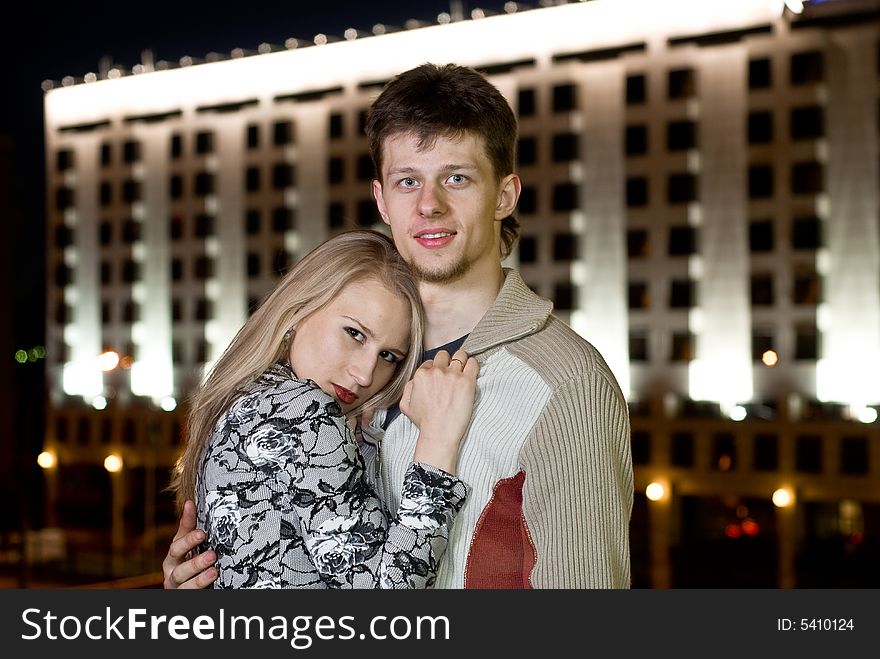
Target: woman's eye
[
  {"x": 390, "y": 357},
  {"x": 356, "y": 334}
]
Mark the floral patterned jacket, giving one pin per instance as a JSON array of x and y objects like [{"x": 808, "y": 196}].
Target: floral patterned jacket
[{"x": 283, "y": 496}]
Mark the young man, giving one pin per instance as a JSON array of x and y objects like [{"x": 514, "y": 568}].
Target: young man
[{"x": 547, "y": 454}]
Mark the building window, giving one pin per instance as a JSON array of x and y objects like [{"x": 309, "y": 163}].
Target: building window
[
  {"x": 682, "y": 294},
  {"x": 63, "y": 236},
  {"x": 565, "y": 247},
  {"x": 64, "y": 160},
  {"x": 204, "y": 225},
  {"x": 253, "y": 264},
  {"x": 806, "y": 342},
  {"x": 808, "y": 454},
  {"x": 636, "y": 139},
  {"x": 807, "y": 178},
  {"x": 682, "y": 241},
  {"x": 565, "y": 147},
  {"x": 528, "y": 200},
  {"x": 83, "y": 431},
  {"x": 564, "y": 296},
  {"x": 63, "y": 313},
  {"x": 682, "y": 347},
  {"x": 681, "y": 135},
  {"x": 638, "y": 346},
  {"x": 105, "y": 232},
  {"x": 252, "y": 140},
  {"x": 807, "y": 123},
  {"x": 807, "y": 68},
  {"x": 64, "y": 198},
  {"x": 760, "y": 181},
  {"x": 637, "y": 245},
  {"x": 176, "y": 146},
  {"x": 682, "y": 83},
  {"x": 526, "y": 151},
  {"x": 131, "y": 191},
  {"x": 564, "y": 98},
  {"x": 252, "y": 179},
  {"x": 760, "y": 127},
  {"x": 525, "y": 102},
  {"x": 528, "y": 249},
  {"x": 335, "y": 131},
  {"x": 282, "y": 219},
  {"x": 204, "y": 309},
  {"x": 335, "y": 170},
  {"x": 807, "y": 286},
  {"x": 202, "y": 351},
  {"x": 762, "y": 341},
  {"x": 131, "y": 231},
  {"x": 682, "y": 449},
  {"x": 636, "y": 191},
  {"x": 204, "y": 184},
  {"x": 854, "y": 456},
  {"x": 175, "y": 186},
  {"x": 765, "y": 452},
  {"x": 806, "y": 232},
  {"x": 565, "y": 197},
  {"x": 131, "y": 312},
  {"x": 723, "y": 452},
  {"x": 283, "y": 176},
  {"x": 641, "y": 447},
  {"x": 637, "y": 294},
  {"x": 106, "y": 272},
  {"x": 362, "y": 122},
  {"x": 365, "y": 170},
  {"x": 760, "y": 73},
  {"x": 636, "y": 89},
  {"x": 762, "y": 290},
  {"x": 681, "y": 188},
  {"x": 131, "y": 271},
  {"x": 175, "y": 227},
  {"x": 204, "y": 267},
  {"x": 204, "y": 142},
  {"x": 282, "y": 133},
  {"x": 176, "y": 269},
  {"x": 335, "y": 215},
  {"x": 367, "y": 214},
  {"x": 131, "y": 151},
  {"x": 105, "y": 194},
  {"x": 281, "y": 261},
  {"x": 761, "y": 236},
  {"x": 106, "y": 154},
  {"x": 252, "y": 221},
  {"x": 176, "y": 309},
  {"x": 177, "y": 356}
]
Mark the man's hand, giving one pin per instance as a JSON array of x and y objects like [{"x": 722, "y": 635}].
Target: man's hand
[{"x": 196, "y": 572}]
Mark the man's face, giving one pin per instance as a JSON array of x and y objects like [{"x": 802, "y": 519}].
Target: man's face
[{"x": 444, "y": 204}]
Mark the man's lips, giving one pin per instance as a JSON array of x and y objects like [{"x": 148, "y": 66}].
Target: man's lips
[
  {"x": 434, "y": 237},
  {"x": 344, "y": 395}
]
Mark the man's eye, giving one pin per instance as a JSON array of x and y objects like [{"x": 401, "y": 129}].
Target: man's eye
[
  {"x": 408, "y": 182},
  {"x": 457, "y": 179}
]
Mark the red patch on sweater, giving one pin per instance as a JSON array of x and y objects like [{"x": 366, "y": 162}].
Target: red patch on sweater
[{"x": 501, "y": 554}]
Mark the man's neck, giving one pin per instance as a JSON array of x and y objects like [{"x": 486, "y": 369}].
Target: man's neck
[{"x": 453, "y": 309}]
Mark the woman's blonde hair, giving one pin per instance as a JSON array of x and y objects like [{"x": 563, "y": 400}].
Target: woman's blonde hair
[{"x": 349, "y": 257}]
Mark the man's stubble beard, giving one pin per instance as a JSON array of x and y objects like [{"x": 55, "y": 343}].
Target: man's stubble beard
[{"x": 443, "y": 274}]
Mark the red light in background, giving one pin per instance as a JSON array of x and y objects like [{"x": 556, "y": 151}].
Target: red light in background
[
  {"x": 856, "y": 538},
  {"x": 732, "y": 531},
  {"x": 750, "y": 526}
]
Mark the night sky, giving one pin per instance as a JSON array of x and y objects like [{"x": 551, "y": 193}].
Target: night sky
[{"x": 53, "y": 40}]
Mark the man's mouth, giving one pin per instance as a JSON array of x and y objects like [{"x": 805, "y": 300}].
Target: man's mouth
[
  {"x": 435, "y": 237},
  {"x": 344, "y": 395}
]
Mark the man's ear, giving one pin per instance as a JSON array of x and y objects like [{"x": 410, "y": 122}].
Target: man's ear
[
  {"x": 508, "y": 194},
  {"x": 380, "y": 200}
]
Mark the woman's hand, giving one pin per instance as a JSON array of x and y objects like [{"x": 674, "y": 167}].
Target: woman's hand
[{"x": 440, "y": 400}]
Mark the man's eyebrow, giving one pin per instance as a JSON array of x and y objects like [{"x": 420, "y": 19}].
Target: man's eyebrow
[{"x": 445, "y": 168}]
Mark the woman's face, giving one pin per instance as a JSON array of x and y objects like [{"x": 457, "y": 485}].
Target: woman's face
[{"x": 351, "y": 346}]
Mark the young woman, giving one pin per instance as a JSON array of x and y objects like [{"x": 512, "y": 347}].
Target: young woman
[{"x": 271, "y": 461}]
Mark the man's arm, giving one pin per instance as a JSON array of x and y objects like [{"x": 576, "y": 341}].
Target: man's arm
[
  {"x": 198, "y": 571},
  {"x": 578, "y": 490}
]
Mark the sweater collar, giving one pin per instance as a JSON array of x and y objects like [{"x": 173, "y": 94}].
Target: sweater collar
[{"x": 516, "y": 312}]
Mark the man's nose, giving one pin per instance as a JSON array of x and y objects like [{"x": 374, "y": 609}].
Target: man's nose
[{"x": 431, "y": 200}]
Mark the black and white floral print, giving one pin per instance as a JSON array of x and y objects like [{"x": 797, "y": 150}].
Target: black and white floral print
[{"x": 284, "y": 499}]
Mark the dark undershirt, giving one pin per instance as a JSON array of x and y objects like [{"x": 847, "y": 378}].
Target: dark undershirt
[{"x": 450, "y": 347}]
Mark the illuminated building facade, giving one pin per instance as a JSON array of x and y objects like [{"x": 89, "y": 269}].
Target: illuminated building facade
[{"x": 700, "y": 201}]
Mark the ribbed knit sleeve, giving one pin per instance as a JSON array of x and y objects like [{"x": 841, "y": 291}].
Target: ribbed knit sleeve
[{"x": 577, "y": 495}]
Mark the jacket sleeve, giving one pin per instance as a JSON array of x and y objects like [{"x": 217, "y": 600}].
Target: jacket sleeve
[
  {"x": 578, "y": 490},
  {"x": 349, "y": 534}
]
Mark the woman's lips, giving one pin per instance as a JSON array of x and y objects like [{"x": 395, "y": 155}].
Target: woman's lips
[{"x": 344, "y": 395}]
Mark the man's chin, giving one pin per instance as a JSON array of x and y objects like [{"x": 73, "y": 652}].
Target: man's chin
[{"x": 445, "y": 274}]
